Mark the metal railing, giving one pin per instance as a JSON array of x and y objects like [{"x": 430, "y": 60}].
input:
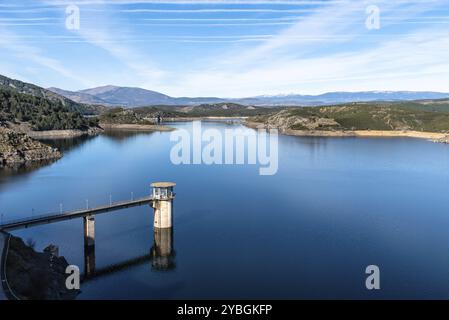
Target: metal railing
[{"x": 61, "y": 214}]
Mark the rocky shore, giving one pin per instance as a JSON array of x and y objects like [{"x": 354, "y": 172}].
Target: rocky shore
[
  {"x": 19, "y": 148},
  {"x": 283, "y": 129},
  {"x": 35, "y": 275},
  {"x": 55, "y": 134},
  {"x": 135, "y": 127}
]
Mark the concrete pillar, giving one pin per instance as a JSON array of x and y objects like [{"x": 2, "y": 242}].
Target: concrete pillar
[
  {"x": 163, "y": 213},
  {"x": 89, "y": 231}
]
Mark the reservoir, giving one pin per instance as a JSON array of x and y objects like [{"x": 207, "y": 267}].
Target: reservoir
[{"x": 334, "y": 207}]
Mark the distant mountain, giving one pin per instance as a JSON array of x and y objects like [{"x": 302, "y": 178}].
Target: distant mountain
[
  {"x": 126, "y": 96},
  {"x": 342, "y": 97},
  {"x": 78, "y": 96},
  {"x": 135, "y": 97}
]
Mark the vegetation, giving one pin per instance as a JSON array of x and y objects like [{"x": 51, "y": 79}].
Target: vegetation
[
  {"x": 38, "y": 92},
  {"x": 41, "y": 113},
  {"x": 225, "y": 110},
  {"x": 147, "y": 115},
  {"x": 364, "y": 116},
  {"x": 123, "y": 116}
]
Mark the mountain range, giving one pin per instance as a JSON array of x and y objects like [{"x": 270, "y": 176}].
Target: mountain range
[{"x": 135, "y": 97}]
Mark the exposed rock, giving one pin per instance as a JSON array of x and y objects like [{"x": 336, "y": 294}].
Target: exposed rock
[
  {"x": 53, "y": 250},
  {"x": 63, "y": 134},
  {"x": 16, "y": 148},
  {"x": 442, "y": 140},
  {"x": 36, "y": 276},
  {"x": 283, "y": 120}
]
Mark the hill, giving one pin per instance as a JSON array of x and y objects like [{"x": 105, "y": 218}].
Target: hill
[
  {"x": 126, "y": 96},
  {"x": 40, "y": 113},
  {"x": 79, "y": 97},
  {"x": 38, "y": 92},
  {"x": 147, "y": 115},
  {"x": 385, "y": 117}
]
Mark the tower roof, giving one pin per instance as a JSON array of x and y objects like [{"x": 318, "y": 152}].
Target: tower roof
[{"x": 163, "y": 184}]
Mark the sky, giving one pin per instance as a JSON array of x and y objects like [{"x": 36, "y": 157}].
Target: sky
[{"x": 228, "y": 48}]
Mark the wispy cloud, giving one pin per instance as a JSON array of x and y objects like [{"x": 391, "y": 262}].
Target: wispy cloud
[
  {"x": 10, "y": 42},
  {"x": 202, "y": 2},
  {"x": 296, "y": 59},
  {"x": 139, "y": 63},
  {"x": 383, "y": 68},
  {"x": 241, "y": 47}
]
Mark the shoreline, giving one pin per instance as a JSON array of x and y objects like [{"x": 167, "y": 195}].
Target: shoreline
[
  {"x": 188, "y": 119},
  {"x": 61, "y": 134},
  {"x": 135, "y": 127},
  {"x": 432, "y": 136}
]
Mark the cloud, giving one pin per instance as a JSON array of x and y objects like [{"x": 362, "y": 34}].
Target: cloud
[
  {"x": 139, "y": 63},
  {"x": 412, "y": 63},
  {"x": 30, "y": 54},
  {"x": 329, "y": 48},
  {"x": 202, "y": 2},
  {"x": 102, "y": 29},
  {"x": 328, "y": 51}
]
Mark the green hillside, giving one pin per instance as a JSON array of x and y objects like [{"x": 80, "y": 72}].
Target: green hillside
[
  {"x": 362, "y": 116},
  {"x": 38, "y": 92},
  {"x": 41, "y": 113}
]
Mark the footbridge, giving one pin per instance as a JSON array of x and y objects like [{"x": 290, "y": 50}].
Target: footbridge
[
  {"x": 56, "y": 217},
  {"x": 161, "y": 254}
]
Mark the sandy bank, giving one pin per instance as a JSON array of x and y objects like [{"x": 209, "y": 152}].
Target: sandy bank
[
  {"x": 135, "y": 127},
  {"x": 55, "y": 134},
  {"x": 52, "y": 134},
  {"x": 434, "y": 136},
  {"x": 188, "y": 119}
]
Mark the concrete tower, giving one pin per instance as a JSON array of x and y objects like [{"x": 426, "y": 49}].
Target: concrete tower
[{"x": 163, "y": 196}]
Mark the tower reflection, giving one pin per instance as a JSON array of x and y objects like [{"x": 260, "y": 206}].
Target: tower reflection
[
  {"x": 89, "y": 261},
  {"x": 162, "y": 254}
]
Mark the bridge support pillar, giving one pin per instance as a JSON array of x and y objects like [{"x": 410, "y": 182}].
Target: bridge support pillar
[
  {"x": 89, "y": 231},
  {"x": 162, "y": 204}
]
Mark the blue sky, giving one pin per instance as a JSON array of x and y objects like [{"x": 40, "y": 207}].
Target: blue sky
[{"x": 228, "y": 48}]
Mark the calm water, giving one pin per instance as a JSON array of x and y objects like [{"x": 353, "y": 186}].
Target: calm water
[{"x": 335, "y": 206}]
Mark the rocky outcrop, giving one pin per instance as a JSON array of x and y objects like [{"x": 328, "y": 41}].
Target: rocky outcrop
[
  {"x": 35, "y": 275},
  {"x": 285, "y": 120},
  {"x": 63, "y": 134},
  {"x": 444, "y": 139},
  {"x": 17, "y": 148}
]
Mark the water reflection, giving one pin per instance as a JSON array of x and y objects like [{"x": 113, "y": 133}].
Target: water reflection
[
  {"x": 89, "y": 261},
  {"x": 162, "y": 253},
  {"x": 66, "y": 144},
  {"x": 120, "y": 136},
  {"x": 162, "y": 257},
  {"x": 23, "y": 168}
]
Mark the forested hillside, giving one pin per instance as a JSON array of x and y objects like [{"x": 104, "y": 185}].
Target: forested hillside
[{"x": 39, "y": 112}]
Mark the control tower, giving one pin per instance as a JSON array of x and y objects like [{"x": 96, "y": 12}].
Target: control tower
[{"x": 163, "y": 196}]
